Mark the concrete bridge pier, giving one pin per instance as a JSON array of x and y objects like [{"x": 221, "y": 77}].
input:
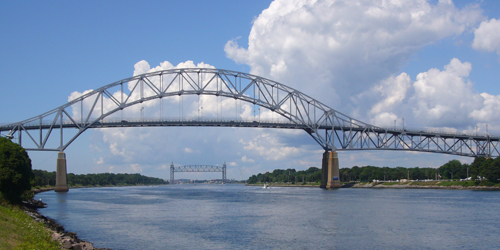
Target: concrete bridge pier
[
  {"x": 330, "y": 170},
  {"x": 61, "y": 174}
]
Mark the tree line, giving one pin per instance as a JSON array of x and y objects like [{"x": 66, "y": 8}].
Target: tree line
[
  {"x": 312, "y": 174},
  {"x": 45, "y": 178},
  {"x": 15, "y": 172},
  {"x": 481, "y": 168},
  {"x": 17, "y": 177}
]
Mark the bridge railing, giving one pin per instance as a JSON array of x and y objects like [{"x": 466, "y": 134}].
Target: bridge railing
[
  {"x": 32, "y": 125},
  {"x": 277, "y": 121},
  {"x": 229, "y": 120}
]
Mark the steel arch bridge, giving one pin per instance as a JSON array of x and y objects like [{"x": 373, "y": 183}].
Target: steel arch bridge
[
  {"x": 197, "y": 168},
  {"x": 332, "y": 130}
]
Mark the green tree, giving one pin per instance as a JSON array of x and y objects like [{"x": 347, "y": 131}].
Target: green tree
[
  {"x": 475, "y": 167},
  {"x": 15, "y": 171},
  {"x": 491, "y": 169}
]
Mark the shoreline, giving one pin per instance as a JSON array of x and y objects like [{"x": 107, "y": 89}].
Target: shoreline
[
  {"x": 45, "y": 189},
  {"x": 281, "y": 185},
  {"x": 409, "y": 186},
  {"x": 398, "y": 186},
  {"x": 67, "y": 240}
]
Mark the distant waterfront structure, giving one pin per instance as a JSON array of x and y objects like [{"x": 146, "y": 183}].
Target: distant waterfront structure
[{"x": 197, "y": 168}]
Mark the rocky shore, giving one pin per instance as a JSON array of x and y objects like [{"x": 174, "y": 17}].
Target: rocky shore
[
  {"x": 68, "y": 240},
  {"x": 39, "y": 190}
]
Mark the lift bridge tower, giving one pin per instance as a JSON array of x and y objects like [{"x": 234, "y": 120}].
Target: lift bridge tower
[{"x": 197, "y": 168}]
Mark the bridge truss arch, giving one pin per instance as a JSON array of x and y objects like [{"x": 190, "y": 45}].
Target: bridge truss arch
[
  {"x": 198, "y": 168},
  {"x": 331, "y": 129}
]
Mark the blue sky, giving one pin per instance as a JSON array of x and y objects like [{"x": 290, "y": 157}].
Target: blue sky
[{"x": 52, "y": 49}]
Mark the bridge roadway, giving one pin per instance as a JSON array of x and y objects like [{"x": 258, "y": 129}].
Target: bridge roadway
[
  {"x": 383, "y": 134},
  {"x": 246, "y": 124}
]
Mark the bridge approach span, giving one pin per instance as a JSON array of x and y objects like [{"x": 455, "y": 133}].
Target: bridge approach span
[{"x": 332, "y": 130}]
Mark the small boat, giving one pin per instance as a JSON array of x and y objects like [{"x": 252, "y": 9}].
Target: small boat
[{"x": 265, "y": 185}]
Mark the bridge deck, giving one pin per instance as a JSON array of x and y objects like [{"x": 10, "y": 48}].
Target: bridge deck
[{"x": 250, "y": 124}]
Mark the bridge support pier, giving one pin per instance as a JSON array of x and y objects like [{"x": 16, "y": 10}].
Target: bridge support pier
[
  {"x": 224, "y": 172},
  {"x": 172, "y": 170},
  {"x": 330, "y": 170},
  {"x": 61, "y": 174}
]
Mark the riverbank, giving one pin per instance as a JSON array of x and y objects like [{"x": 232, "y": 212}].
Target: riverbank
[
  {"x": 284, "y": 185},
  {"x": 57, "y": 233},
  {"x": 399, "y": 185},
  {"x": 45, "y": 189},
  {"x": 67, "y": 240},
  {"x": 39, "y": 190},
  {"x": 452, "y": 185},
  {"x": 20, "y": 231},
  {"x": 22, "y": 227}
]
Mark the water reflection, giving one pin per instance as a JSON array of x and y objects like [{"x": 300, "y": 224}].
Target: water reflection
[
  {"x": 62, "y": 206},
  {"x": 240, "y": 217}
]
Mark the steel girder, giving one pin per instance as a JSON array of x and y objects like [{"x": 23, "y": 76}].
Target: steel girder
[
  {"x": 330, "y": 128},
  {"x": 349, "y": 138},
  {"x": 197, "y": 168}
]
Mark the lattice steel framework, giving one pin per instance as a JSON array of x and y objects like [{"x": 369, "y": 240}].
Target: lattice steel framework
[
  {"x": 329, "y": 128},
  {"x": 197, "y": 168}
]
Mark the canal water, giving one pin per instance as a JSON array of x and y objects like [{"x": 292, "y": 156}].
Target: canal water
[{"x": 250, "y": 217}]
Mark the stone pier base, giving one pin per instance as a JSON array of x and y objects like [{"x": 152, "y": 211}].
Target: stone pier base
[
  {"x": 330, "y": 170},
  {"x": 61, "y": 174}
]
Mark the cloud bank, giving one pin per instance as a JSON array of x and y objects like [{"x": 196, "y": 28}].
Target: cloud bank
[{"x": 349, "y": 54}]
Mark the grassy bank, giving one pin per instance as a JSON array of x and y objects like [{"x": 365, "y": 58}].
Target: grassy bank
[{"x": 20, "y": 231}]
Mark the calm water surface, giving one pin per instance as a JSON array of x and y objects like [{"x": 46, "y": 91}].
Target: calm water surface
[{"x": 241, "y": 217}]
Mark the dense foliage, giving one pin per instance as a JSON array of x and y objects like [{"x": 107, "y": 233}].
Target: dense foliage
[
  {"x": 481, "y": 167},
  {"x": 312, "y": 174},
  {"x": 15, "y": 171},
  {"x": 44, "y": 178}
]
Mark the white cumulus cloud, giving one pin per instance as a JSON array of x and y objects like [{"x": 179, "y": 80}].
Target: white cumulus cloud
[
  {"x": 487, "y": 36},
  {"x": 333, "y": 50},
  {"x": 444, "y": 99},
  {"x": 270, "y": 148}
]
